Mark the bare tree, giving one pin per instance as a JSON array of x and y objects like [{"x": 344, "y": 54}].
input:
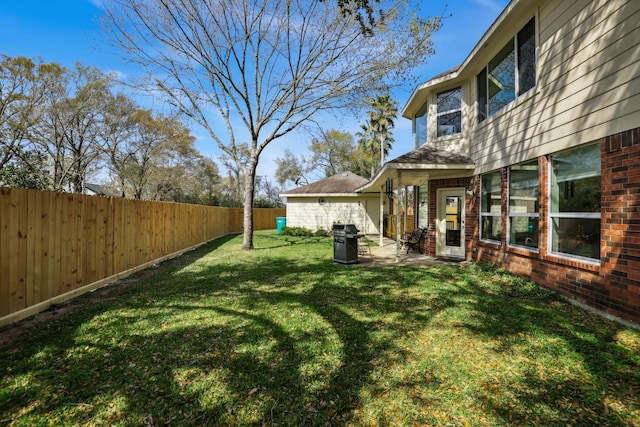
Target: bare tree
[
  {"x": 68, "y": 129},
  {"x": 264, "y": 67},
  {"x": 25, "y": 85}
]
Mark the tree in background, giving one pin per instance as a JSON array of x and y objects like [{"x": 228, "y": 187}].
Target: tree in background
[
  {"x": 68, "y": 129},
  {"x": 21, "y": 91},
  {"x": 59, "y": 127},
  {"x": 265, "y": 67},
  {"x": 292, "y": 168},
  {"x": 376, "y": 137},
  {"x": 152, "y": 160},
  {"x": 333, "y": 152}
]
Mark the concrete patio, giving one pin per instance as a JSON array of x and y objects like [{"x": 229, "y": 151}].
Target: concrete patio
[{"x": 387, "y": 255}]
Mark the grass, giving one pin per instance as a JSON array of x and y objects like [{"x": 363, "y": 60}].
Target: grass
[{"x": 283, "y": 336}]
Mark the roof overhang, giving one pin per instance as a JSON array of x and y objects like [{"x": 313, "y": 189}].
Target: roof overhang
[
  {"x": 308, "y": 195},
  {"x": 513, "y": 16},
  {"x": 409, "y": 174}
]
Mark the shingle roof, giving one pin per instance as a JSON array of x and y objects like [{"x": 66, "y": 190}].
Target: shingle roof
[
  {"x": 429, "y": 155},
  {"x": 342, "y": 183}
]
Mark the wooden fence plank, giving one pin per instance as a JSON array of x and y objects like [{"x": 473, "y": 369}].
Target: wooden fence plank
[
  {"x": 5, "y": 252},
  {"x": 30, "y": 241},
  {"x": 16, "y": 271}
]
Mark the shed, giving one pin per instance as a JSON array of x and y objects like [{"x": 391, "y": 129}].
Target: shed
[{"x": 331, "y": 200}]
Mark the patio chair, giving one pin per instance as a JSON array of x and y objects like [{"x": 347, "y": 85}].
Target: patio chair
[{"x": 413, "y": 240}]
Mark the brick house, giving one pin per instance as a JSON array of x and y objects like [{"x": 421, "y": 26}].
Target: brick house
[{"x": 528, "y": 153}]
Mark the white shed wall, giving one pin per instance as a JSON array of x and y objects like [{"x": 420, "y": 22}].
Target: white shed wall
[{"x": 363, "y": 211}]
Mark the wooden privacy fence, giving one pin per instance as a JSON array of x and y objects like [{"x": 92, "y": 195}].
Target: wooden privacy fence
[
  {"x": 390, "y": 225},
  {"x": 54, "y": 246}
]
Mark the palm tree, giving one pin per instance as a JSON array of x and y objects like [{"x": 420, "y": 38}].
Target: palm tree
[
  {"x": 369, "y": 145},
  {"x": 377, "y": 130}
]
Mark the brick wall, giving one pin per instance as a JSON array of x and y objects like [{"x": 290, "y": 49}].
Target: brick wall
[
  {"x": 620, "y": 238},
  {"x": 613, "y": 286}
]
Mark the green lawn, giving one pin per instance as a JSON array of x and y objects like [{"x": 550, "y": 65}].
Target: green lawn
[{"x": 283, "y": 336}]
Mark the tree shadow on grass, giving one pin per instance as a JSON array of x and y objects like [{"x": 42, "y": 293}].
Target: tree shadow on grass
[
  {"x": 578, "y": 374},
  {"x": 209, "y": 351},
  {"x": 291, "y": 341}
]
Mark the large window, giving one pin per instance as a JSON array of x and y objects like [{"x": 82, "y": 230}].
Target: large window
[
  {"x": 449, "y": 112},
  {"x": 523, "y": 204},
  {"x": 575, "y": 202},
  {"x": 420, "y": 126},
  {"x": 491, "y": 207},
  {"x": 510, "y": 73}
]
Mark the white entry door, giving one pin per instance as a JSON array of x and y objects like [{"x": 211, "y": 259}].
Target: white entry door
[{"x": 450, "y": 240}]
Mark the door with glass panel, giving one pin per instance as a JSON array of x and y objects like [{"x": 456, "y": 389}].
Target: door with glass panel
[{"x": 450, "y": 240}]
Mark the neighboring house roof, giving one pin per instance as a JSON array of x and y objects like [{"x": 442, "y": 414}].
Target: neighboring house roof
[
  {"x": 425, "y": 162},
  {"x": 100, "y": 190},
  {"x": 342, "y": 184}
]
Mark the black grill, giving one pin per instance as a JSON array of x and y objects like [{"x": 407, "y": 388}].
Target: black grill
[{"x": 345, "y": 243}]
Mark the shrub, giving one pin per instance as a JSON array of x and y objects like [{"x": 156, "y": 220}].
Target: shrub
[
  {"x": 297, "y": 231},
  {"x": 321, "y": 232}
]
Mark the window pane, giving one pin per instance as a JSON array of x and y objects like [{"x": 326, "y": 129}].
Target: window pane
[
  {"x": 576, "y": 180},
  {"x": 449, "y": 111},
  {"x": 491, "y": 228},
  {"x": 421, "y": 126},
  {"x": 577, "y": 236},
  {"x": 524, "y": 231},
  {"x": 490, "y": 193},
  {"x": 449, "y": 123},
  {"x": 502, "y": 78},
  {"x": 523, "y": 188},
  {"x": 481, "y": 81},
  {"x": 527, "y": 58},
  {"x": 449, "y": 101},
  {"x": 454, "y": 221},
  {"x": 423, "y": 206}
]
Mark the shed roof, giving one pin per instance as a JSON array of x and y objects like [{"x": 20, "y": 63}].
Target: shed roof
[{"x": 343, "y": 184}]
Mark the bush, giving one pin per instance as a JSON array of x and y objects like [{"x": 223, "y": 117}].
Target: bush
[
  {"x": 297, "y": 231},
  {"x": 321, "y": 232}
]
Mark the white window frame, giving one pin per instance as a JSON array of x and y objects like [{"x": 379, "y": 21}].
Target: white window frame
[
  {"x": 575, "y": 215},
  {"x": 490, "y": 214},
  {"x": 523, "y": 214},
  {"x": 517, "y": 96},
  {"x": 442, "y": 113}
]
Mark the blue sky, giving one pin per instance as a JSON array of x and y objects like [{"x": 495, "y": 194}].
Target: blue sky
[{"x": 66, "y": 31}]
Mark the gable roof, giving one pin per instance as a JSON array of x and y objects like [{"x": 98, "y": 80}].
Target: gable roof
[
  {"x": 342, "y": 184},
  {"x": 416, "y": 166},
  {"x": 100, "y": 190}
]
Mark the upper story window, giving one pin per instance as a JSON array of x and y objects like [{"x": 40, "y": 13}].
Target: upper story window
[
  {"x": 449, "y": 112},
  {"x": 420, "y": 125},
  {"x": 510, "y": 73}
]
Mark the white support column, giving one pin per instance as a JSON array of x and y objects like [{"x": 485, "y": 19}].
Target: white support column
[
  {"x": 381, "y": 234},
  {"x": 406, "y": 210},
  {"x": 398, "y": 242}
]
